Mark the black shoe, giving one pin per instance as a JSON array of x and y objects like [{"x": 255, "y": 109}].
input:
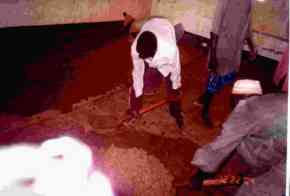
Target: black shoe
[
  {"x": 208, "y": 97},
  {"x": 175, "y": 112},
  {"x": 197, "y": 180}
]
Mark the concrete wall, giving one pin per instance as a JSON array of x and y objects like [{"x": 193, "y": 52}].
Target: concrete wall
[
  {"x": 47, "y": 12},
  {"x": 270, "y": 19}
]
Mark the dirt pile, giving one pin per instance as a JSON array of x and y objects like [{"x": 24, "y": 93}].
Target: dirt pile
[{"x": 133, "y": 172}]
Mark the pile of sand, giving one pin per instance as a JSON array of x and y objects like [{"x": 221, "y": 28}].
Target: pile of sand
[{"x": 134, "y": 172}]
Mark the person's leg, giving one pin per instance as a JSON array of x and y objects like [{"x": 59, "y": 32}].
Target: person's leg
[
  {"x": 229, "y": 80},
  {"x": 200, "y": 100},
  {"x": 175, "y": 111},
  {"x": 214, "y": 84},
  {"x": 205, "y": 112},
  {"x": 174, "y": 102},
  {"x": 135, "y": 104}
]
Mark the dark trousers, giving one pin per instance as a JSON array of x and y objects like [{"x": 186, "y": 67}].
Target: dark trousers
[
  {"x": 152, "y": 81},
  {"x": 215, "y": 83}
]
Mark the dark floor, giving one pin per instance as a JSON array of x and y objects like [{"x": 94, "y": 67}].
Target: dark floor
[
  {"x": 38, "y": 61},
  {"x": 53, "y": 67}
]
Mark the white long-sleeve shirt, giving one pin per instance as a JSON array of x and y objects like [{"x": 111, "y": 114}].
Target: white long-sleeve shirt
[{"x": 166, "y": 60}]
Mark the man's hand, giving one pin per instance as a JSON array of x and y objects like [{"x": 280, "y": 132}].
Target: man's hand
[{"x": 174, "y": 100}]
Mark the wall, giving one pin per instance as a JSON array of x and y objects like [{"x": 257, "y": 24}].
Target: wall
[
  {"x": 270, "y": 19},
  {"x": 47, "y": 12}
]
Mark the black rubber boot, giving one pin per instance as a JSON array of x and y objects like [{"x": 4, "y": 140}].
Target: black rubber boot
[
  {"x": 197, "y": 180},
  {"x": 175, "y": 112},
  {"x": 207, "y": 99}
]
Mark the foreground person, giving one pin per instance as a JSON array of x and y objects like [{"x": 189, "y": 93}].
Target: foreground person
[
  {"x": 155, "y": 57},
  {"x": 256, "y": 132}
]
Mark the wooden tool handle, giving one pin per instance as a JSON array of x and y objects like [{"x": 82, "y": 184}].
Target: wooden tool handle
[
  {"x": 145, "y": 110},
  {"x": 153, "y": 106},
  {"x": 226, "y": 180}
]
